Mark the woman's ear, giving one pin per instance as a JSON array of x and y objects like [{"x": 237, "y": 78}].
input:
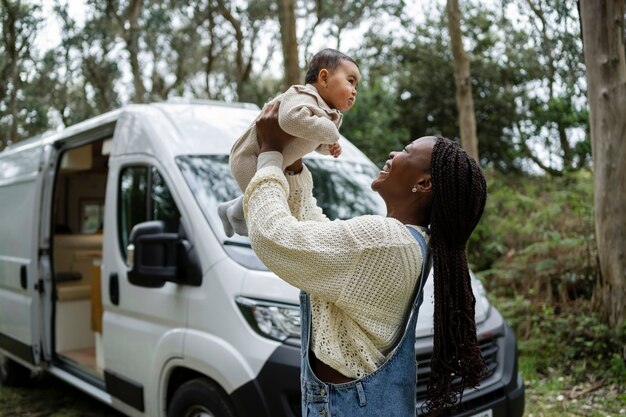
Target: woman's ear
[
  {"x": 322, "y": 77},
  {"x": 424, "y": 184}
]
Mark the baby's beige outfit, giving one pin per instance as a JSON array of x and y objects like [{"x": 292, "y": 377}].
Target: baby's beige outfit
[{"x": 303, "y": 114}]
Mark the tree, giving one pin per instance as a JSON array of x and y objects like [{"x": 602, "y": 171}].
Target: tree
[
  {"x": 463, "y": 82},
  {"x": 555, "y": 105},
  {"x": 518, "y": 124},
  {"x": 125, "y": 17},
  {"x": 603, "y": 39},
  {"x": 246, "y": 27},
  {"x": 332, "y": 18},
  {"x": 419, "y": 71},
  {"x": 287, "y": 19},
  {"x": 83, "y": 73},
  {"x": 20, "y": 111}
]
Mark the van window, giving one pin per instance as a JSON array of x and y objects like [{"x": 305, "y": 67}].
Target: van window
[
  {"x": 144, "y": 196},
  {"x": 342, "y": 189},
  {"x": 92, "y": 215}
]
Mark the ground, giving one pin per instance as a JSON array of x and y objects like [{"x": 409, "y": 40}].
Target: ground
[
  {"x": 50, "y": 397},
  {"x": 555, "y": 396}
]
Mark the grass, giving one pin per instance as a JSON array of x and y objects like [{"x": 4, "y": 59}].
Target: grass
[
  {"x": 558, "y": 395},
  {"x": 49, "y": 397}
]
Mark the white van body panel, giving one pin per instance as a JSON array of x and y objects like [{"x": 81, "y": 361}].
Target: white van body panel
[
  {"x": 141, "y": 320},
  {"x": 232, "y": 358},
  {"x": 20, "y": 202},
  {"x": 169, "y": 130},
  {"x": 153, "y": 135},
  {"x": 219, "y": 360},
  {"x": 264, "y": 285},
  {"x": 164, "y": 352}
]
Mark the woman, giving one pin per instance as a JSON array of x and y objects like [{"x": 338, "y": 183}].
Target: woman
[{"x": 361, "y": 277}]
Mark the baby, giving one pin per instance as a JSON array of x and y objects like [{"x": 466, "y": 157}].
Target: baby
[{"x": 310, "y": 113}]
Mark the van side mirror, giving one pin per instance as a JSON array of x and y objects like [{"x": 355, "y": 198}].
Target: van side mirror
[{"x": 155, "y": 257}]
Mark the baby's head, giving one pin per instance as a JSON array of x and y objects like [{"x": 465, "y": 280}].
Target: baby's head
[{"x": 335, "y": 76}]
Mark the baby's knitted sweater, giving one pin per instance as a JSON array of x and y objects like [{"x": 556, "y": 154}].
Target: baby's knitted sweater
[
  {"x": 361, "y": 272},
  {"x": 303, "y": 114}
]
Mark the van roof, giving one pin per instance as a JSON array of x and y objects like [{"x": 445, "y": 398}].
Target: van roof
[{"x": 179, "y": 126}]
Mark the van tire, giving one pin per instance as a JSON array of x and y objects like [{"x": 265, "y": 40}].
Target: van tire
[
  {"x": 200, "y": 397},
  {"x": 12, "y": 373}
]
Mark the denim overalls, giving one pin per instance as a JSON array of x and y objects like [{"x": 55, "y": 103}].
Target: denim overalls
[{"x": 387, "y": 392}]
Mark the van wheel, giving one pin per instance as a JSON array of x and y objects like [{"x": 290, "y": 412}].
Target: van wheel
[
  {"x": 12, "y": 373},
  {"x": 200, "y": 398}
]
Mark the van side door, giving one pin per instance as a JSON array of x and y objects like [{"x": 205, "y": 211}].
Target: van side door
[
  {"x": 140, "y": 325},
  {"x": 22, "y": 290}
]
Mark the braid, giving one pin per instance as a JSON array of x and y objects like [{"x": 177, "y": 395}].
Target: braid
[{"x": 459, "y": 194}]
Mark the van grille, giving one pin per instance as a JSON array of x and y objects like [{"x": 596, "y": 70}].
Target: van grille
[{"x": 488, "y": 348}]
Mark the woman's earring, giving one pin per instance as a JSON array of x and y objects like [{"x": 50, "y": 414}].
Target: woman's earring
[{"x": 414, "y": 189}]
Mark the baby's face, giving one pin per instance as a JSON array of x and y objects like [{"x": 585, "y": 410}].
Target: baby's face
[{"x": 340, "y": 89}]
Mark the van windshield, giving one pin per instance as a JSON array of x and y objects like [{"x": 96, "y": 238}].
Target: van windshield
[{"x": 342, "y": 189}]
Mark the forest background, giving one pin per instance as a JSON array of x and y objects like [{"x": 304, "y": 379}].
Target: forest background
[{"x": 522, "y": 62}]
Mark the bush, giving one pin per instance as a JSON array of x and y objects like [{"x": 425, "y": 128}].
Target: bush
[
  {"x": 535, "y": 250},
  {"x": 573, "y": 340},
  {"x": 537, "y": 238}
]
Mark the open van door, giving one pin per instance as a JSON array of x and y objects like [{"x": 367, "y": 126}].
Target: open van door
[
  {"x": 24, "y": 293},
  {"x": 45, "y": 284}
]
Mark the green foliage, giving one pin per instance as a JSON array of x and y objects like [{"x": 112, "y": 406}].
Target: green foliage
[
  {"x": 536, "y": 237},
  {"x": 570, "y": 339},
  {"x": 528, "y": 95},
  {"x": 22, "y": 111},
  {"x": 372, "y": 123},
  {"x": 535, "y": 248}
]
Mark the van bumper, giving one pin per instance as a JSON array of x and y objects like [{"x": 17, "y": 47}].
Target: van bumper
[
  {"x": 276, "y": 390},
  {"x": 501, "y": 395}
]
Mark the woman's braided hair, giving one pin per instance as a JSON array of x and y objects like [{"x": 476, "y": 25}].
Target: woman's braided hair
[{"x": 459, "y": 194}]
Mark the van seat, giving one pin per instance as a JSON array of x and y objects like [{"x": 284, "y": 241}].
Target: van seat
[
  {"x": 68, "y": 291},
  {"x": 75, "y": 254}
]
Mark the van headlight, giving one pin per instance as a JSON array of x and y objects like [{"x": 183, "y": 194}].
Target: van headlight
[{"x": 269, "y": 319}]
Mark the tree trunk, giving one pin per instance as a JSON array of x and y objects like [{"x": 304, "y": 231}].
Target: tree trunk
[
  {"x": 12, "y": 71},
  {"x": 287, "y": 19},
  {"x": 132, "y": 44},
  {"x": 462, "y": 77},
  {"x": 244, "y": 66},
  {"x": 603, "y": 43}
]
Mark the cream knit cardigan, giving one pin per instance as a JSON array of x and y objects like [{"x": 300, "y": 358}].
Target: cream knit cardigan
[
  {"x": 360, "y": 273},
  {"x": 302, "y": 113}
]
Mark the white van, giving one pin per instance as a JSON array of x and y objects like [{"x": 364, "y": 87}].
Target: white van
[{"x": 116, "y": 275}]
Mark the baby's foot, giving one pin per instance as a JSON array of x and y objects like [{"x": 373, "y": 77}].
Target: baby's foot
[
  {"x": 222, "y": 210},
  {"x": 237, "y": 220}
]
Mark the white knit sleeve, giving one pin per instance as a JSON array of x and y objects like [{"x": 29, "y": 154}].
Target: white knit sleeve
[
  {"x": 302, "y": 204},
  {"x": 300, "y": 116},
  {"x": 318, "y": 257}
]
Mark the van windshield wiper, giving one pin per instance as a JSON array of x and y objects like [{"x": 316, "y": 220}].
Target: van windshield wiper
[{"x": 237, "y": 243}]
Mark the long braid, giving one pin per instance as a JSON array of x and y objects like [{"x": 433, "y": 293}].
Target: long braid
[{"x": 459, "y": 194}]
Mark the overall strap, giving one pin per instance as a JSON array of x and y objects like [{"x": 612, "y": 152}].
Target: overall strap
[{"x": 426, "y": 260}]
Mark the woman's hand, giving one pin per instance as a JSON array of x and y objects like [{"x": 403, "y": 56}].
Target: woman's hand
[
  {"x": 269, "y": 134},
  {"x": 296, "y": 167}
]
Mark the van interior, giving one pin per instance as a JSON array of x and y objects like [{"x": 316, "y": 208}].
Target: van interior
[{"x": 78, "y": 213}]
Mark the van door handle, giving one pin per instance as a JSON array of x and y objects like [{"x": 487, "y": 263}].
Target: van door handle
[
  {"x": 114, "y": 288},
  {"x": 23, "y": 277}
]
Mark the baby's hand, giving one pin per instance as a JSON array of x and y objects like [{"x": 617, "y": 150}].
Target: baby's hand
[{"x": 335, "y": 149}]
